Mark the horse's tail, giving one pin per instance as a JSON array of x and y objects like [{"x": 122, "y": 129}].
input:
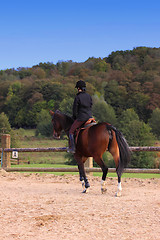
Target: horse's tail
[{"x": 124, "y": 150}]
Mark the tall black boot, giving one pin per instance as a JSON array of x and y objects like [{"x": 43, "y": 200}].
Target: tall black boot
[{"x": 71, "y": 148}]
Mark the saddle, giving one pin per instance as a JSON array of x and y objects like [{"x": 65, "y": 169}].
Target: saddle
[{"x": 90, "y": 122}]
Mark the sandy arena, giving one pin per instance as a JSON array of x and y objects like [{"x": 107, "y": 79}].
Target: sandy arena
[{"x": 48, "y": 207}]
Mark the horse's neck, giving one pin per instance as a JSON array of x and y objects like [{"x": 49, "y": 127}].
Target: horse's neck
[{"x": 67, "y": 124}]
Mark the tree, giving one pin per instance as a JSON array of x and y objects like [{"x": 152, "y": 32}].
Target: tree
[
  {"x": 33, "y": 112},
  {"x": 154, "y": 122},
  {"x": 5, "y": 126},
  {"x": 101, "y": 66},
  {"x": 103, "y": 112},
  {"x": 48, "y": 67},
  {"x": 53, "y": 91},
  {"x": 24, "y": 72},
  {"x": 63, "y": 67},
  {"x": 12, "y": 107},
  {"x": 39, "y": 72},
  {"x": 66, "y": 106},
  {"x": 116, "y": 96},
  {"x": 126, "y": 117},
  {"x": 139, "y": 101},
  {"x": 44, "y": 126},
  {"x": 20, "y": 119}
]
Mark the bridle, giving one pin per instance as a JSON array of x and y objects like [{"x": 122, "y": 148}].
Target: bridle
[{"x": 55, "y": 133}]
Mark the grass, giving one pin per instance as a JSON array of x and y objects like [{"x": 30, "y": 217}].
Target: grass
[{"x": 132, "y": 175}]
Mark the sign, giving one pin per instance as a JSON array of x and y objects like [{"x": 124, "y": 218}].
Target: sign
[{"x": 14, "y": 154}]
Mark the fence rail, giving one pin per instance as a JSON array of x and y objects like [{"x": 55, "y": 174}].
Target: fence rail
[
  {"x": 64, "y": 149},
  {"x": 75, "y": 169},
  {"x": 6, "y": 150},
  {"x": 148, "y": 149}
]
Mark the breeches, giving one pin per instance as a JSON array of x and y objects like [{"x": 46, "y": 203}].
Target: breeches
[{"x": 75, "y": 125}]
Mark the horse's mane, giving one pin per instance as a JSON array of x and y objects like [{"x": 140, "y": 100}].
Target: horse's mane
[
  {"x": 67, "y": 120},
  {"x": 65, "y": 115}
]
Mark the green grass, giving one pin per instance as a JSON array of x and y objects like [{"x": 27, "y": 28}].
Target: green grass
[{"x": 132, "y": 175}]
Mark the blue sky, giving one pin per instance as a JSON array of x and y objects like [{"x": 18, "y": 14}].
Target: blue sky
[{"x": 34, "y": 31}]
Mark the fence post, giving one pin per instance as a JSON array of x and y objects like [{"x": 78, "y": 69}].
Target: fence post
[
  {"x": 6, "y": 142},
  {"x": 89, "y": 164}
]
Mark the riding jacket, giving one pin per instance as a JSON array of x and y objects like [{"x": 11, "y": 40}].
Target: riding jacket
[{"x": 82, "y": 106}]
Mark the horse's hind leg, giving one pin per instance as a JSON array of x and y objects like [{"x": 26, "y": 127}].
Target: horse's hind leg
[
  {"x": 104, "y": 168},
  {"x": 114, "y": 150},
  {"x": 119, "y": 190},
  {"x": 103, "y": 185}
]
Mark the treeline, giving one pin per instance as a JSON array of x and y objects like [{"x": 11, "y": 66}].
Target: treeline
[
  {"x": 125, "y": 79},
  {"x": 125, "y": 87}
]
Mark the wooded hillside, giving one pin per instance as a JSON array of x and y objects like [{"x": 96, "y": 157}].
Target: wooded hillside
[{"x": 124, "y": 79}]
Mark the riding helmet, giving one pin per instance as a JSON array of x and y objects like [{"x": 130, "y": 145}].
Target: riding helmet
[{"x": 80, "y": 84}]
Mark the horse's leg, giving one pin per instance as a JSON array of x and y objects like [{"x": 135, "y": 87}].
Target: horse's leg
[
  {"x": 119, "y": 190},
  {"x": 114, "y": 150},
  {"x": 104, "y": 168},
  {"x": 83, "y": 178}
]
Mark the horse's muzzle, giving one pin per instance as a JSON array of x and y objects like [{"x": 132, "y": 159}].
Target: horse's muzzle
[{"x": 56, "y": 135}]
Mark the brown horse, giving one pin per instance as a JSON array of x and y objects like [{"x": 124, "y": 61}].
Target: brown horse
[{"x": 93, "y": 142}]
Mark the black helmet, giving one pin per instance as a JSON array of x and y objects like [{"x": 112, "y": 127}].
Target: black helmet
[{"x": 80, "y": 84}]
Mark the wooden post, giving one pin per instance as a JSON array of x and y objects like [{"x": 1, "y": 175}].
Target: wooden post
[
  {"x": 89, "y": 164},
  {"x": 6, "y": 142}
]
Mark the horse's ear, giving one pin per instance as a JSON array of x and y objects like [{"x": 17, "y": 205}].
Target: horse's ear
[{"x": 51, "y": 112}]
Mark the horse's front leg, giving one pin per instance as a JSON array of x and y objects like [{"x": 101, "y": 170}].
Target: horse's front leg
[
  {"x": 85, "y": 185},
  {"x": 83, "y": 178}
]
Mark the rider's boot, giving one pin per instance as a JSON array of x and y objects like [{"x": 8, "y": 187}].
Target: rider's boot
[{"x": 71, "y": 148}]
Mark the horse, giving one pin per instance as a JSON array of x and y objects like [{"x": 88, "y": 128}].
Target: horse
[{"x": 93, "y": 141}]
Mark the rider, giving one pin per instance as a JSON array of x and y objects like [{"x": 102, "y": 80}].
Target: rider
[{"x": 81, "y": 111}]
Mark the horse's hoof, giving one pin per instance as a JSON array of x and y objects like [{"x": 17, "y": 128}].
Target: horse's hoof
[
  {"x": 103, "y": 190},
  {"x": 85, "y": 190},
  {"x": 87, "y": 185},
  {"x": 118, "y": 194}
]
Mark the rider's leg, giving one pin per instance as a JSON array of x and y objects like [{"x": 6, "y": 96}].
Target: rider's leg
[{"x": 74, "y": 126}]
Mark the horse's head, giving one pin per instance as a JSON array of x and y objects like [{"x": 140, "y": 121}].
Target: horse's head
[{"x": 56, "y": 121}]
